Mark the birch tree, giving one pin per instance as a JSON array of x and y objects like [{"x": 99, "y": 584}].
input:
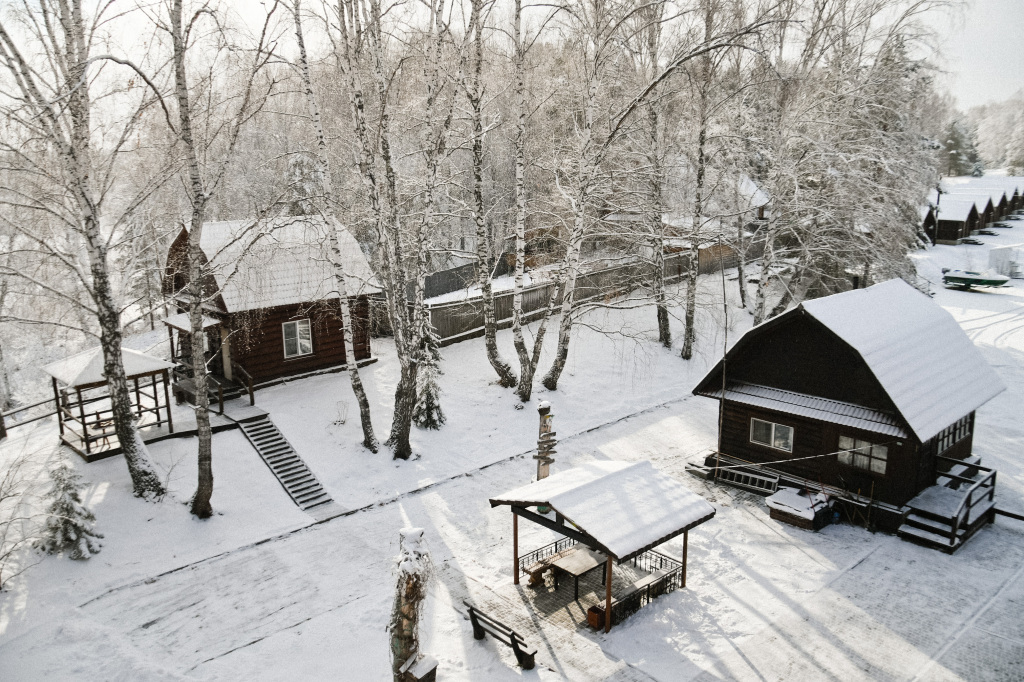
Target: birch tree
[
  {"x": 400, "y": 258},
  {"x": 529, "y": 357},
  {"x": 327, "y": 200},
  {"x": 48, "y": 101},
  {"x": 598, "y": 29},
  {"x": 203, "y": 174},
  {"x": 484, "y": 244}
]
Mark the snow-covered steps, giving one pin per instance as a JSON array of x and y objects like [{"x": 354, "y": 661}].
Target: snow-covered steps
[
  {"x": 295, "y": 477},
  {"x": 931, "y": 517}
]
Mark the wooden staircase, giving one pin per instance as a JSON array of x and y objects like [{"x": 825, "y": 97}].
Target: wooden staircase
[
  {"x": 295, "y": 477},
  {"x": 945, "y": 516}
]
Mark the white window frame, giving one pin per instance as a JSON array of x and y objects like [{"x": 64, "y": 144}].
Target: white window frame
[
  {"x": 792, "y": 435},
  {"x": 298, "y": 342}
]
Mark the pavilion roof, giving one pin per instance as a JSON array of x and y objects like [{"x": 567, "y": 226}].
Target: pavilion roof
[
  {"x": 626, "y": 508},
  {"x": 86, "y": 368}
]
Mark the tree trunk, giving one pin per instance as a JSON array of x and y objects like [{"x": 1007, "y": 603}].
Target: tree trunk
[
  {"x": 340, "y": 278},
  {"x": 690, "y": 332},
  {"x": 200, "y": 505},
  {"x": 572, "y": 265},
  {"x": 484, "y": 246},
  {"x": 527, "y": 361},
  {"x": 741, "y": 253},
  {"x": 411, "y": 590}
]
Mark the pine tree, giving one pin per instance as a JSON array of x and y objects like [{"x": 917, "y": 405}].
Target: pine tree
[
  {"x": 70, "y": 527},
  {"x": 427, "y": 413}
]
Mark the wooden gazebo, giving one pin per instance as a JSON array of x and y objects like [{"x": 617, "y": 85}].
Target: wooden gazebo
[
  {"x": 84, "y": 412},
  {"x": 615, "y": 511}
]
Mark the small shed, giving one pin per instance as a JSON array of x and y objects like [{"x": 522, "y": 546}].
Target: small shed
[
  {"x": 620, "y": 510},
  {"x": 84, "y": 413}
]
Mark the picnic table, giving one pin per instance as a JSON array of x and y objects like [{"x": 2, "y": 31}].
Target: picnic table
[{"x": 578, "y": 563}]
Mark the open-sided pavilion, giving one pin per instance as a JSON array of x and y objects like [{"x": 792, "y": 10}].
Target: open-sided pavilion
[
  {"x": 620, "y": 511},
  {"x": 82, "y": 400}
]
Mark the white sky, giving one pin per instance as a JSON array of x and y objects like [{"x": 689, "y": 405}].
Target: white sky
[{"x": 983, "y": 50}]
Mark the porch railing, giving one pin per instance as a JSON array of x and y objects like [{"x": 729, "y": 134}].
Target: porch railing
[{"x": 984, "y": 490}]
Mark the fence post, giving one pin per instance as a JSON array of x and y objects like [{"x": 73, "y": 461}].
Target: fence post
[{"x": 3, "y": 427}]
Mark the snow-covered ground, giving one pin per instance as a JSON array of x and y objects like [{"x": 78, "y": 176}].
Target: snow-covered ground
[{"x": 262, "y": 591}]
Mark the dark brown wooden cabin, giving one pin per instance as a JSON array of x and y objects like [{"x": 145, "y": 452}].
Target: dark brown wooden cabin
[
  {"x": 956, "y": 218},
  {"x": 274, "y": 310},
  {"x": 823, "y": 403}
]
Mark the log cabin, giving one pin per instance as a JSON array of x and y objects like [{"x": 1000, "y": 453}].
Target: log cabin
[
  {"x": 843, "y": 394},
  {"x": 273, "y": 308}
]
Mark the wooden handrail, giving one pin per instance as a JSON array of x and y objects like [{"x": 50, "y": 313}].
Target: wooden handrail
[
  {"x": 960, "y": 461},
  {"x": 969, "y": 502},
  {"x": 248, "y": 381}
]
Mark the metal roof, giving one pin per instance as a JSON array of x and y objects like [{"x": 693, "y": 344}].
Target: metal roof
[
  {"x": 802, "y": 405},
  {"x": 929, "y": 367}
]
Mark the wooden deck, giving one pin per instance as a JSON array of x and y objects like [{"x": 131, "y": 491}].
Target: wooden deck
[{"x": 558, "y": 606}]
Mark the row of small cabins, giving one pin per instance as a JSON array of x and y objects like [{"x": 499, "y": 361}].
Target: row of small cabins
[{"x": 961, "y": 205}]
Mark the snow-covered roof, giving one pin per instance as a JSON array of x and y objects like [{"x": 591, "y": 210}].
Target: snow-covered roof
[
  {"x": 182, "y": 322},
  {"x": 800, "y": 404},
  {"x": 982, "y": 198},
  {"x": 283, "y": 261},
  {"x": 626, "y": 507},
  {"x": 930, "y": 369},
  {"x": 955, "y": 208},
  {"x": 86, "y": 368},
  {"x": 750, "y": 190},
  {"x": 986, "y": 183}
]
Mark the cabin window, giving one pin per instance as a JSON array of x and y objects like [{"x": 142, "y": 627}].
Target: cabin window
[
  {"x": 862, "y": 454},
  {"x": 298, "y": 339},
  {"x": 773, "y": 435},
  {"x": 954, "y": 433}
]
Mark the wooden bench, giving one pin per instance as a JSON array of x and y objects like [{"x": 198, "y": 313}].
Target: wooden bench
[
  {"x": 484, "y": 624},
  {"x": 536, "y": 570}
]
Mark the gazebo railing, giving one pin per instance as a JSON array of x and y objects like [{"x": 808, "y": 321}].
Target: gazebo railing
[
  {"x": 668, "y": 576},
  {"x": 531, "y": 558}
]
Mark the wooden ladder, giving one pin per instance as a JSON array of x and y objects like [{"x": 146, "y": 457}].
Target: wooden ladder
[{"x": 295, "y": 477}]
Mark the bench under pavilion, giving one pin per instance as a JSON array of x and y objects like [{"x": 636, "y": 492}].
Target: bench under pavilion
[{"x": 608, "y": 512}]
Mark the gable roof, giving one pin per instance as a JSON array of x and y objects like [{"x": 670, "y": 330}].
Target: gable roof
[
  {"x": 282, "y": 261},
  {"x": 955, "y": 208},
  {"x": 626, "y": 507},
  {"x": 892, "y": 326},
  {"x": 922, "y": 359}
]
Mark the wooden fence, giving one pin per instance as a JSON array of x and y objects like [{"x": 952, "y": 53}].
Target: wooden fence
[{"x": 461, "y": 320}]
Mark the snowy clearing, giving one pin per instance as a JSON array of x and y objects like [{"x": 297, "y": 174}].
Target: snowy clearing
[{"x": 264, "y": 591}]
